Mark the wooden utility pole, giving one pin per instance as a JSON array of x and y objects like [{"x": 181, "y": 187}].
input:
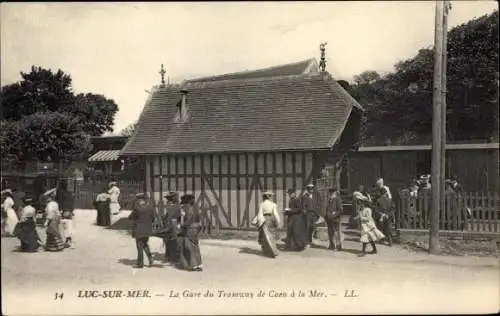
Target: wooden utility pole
[
  {"x": 436, "y": 130},
  {"x": 447, "y": 7}
]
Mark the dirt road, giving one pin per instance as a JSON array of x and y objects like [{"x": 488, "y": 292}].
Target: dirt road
[{"x": 237, "y": 279}]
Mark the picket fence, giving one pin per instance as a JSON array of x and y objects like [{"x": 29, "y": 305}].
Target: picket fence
[{"x": 469, "y": 211}]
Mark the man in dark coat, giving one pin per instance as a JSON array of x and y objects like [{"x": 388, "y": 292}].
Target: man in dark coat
[
  {"x": 383, "y": 212},
  {"x": 332, "y": 218},
  {"x": 172, "y": 224},
  {"x": 143, "y": 217},
  {"x": 312, "y": 207}
]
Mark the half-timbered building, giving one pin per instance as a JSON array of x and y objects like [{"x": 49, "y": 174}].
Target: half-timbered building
[{"x": 228, "y": 138}]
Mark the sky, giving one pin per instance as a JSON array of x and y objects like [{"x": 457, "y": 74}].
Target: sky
[{"x": 116, "y": 49}]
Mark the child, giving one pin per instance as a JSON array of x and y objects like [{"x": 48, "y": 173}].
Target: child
[{"x": 369, "y": 232}]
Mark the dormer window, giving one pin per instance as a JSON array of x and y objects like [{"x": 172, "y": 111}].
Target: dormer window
[{"x": 182, "y": 107}]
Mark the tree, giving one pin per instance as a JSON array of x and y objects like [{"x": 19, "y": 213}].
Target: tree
[
  {"x": 42, "y": 90},
  {"x": 399, "y": 105},
  {"x": 95, "y": 113},
  {"x": 50, "y": 136},
  {"x": 129, "y": 130},
  {"x": 42, "y": 119},
  {"x": 39, "y": 90}
]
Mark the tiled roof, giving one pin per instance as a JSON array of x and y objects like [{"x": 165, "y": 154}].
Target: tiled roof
[
  {"x": 302, "y": 67},
  {"x": 105, "y": 155},
  {"x": 302, "y": 112}
]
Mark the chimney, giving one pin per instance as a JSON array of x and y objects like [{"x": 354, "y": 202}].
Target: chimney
[
  {"x": 183, "y": 110},
  {"x": 322, "y": 61}
]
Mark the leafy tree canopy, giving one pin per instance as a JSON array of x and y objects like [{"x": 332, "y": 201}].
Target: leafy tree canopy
[
  {"x": 129, "y": 130},
  {"x": 48, "y": 120},
  {"x": 399, "y": 104}
]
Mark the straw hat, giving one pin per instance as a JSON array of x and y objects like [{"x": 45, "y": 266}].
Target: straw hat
[
  {"x": 6, "y": 191},
  {"x": 50, "y": 192}
]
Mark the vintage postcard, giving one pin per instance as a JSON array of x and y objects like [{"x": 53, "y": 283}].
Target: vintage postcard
[{"x": 234, "y": 158}]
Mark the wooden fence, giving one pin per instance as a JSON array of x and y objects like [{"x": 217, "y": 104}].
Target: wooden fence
[
  {"x": 208, "y": 215},
  {"x": 478, "y": 212},
  {"x": 86, "y": 193}
]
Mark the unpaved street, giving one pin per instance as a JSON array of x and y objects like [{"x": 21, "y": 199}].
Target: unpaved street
[{"x": 393, "y": 281}]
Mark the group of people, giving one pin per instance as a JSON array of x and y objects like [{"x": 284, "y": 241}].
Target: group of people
[
  {"x": 302, "y": 215},
  {"x": 106, "y": 204},
  {"x": 178, "y": 224},
  {"x": 373, "y": 213},
  {"x": 58, "y": 214}
]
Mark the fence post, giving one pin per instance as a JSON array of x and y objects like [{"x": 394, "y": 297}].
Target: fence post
[{"x": 217, "y": 226}]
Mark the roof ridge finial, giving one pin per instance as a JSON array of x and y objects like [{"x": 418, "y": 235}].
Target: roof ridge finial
[
  {"x": 162, "y": 73},
  {"x": 322, "y": 62}
]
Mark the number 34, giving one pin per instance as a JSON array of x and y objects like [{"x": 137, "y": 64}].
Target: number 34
[{"x": 58, "y": 296}]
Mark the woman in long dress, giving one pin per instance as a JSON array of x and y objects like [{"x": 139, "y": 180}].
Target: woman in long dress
[
  {"x": 54, "y": 240},
  {"x": 296, "y": 236},
  {"x": 190, "y": 255},
  {"x": 369, "y": 231},
  {"x": 114, "y": 194},
  {"x": 26, "y": 228},
  {"x": 267, "y": 220},
  {"x": 11, "y": 219},
  {"x": 101, "y": 204}
]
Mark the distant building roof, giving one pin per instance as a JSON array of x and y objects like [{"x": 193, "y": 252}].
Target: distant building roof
[
  {"x": 105, "y": 155},
  {"x": 462, "y": 146},
  {"x": 308, "y": 66},
  {"x": 302, "y": 111}
]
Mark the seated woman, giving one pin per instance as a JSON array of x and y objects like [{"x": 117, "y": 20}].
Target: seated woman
[
  {"x": 190, "y": 255},
  {"x": 26, "y": 228},
  {"x": 52, "y": 224}
]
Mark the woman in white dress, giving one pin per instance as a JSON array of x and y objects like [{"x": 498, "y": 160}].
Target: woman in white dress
[
  {"x": 114, "y": 194},
  {"x": 11, "y": 219}
]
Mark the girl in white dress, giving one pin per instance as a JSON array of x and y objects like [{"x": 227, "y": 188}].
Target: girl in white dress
[
  {"x": 114, "y": 194},
  {"x": 11, "y": 219},
  {"x": 369, "y": 232}
]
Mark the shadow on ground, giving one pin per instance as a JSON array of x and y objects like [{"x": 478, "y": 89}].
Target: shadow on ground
[
  {"x": 132, "y": 263},
  {"x": 121, "y": 224},
  {"x": 251, "y": 251}
]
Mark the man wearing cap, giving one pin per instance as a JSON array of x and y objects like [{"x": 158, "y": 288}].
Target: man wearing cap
[
  {"x": 143, "y": 217},
  {"x": 311, "y": 206},
  {"x": 332, "y": 218},
  {"x": 172, "y": 222}
]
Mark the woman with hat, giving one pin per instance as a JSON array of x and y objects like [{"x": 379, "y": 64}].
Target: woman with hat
[
  {"x": 26, "y": 228},
  {"x": 296, "y": 234},
  {"x": 66, "y": 201},
  {"x": 267, "y": 220},
  {"x": 101, "y": 204},
  {"x": 114, "y": 194},
  {"x": 54, "y": 240},
  {"x": 190, "y": 254},
  {"x": 11, "y": 219}
]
